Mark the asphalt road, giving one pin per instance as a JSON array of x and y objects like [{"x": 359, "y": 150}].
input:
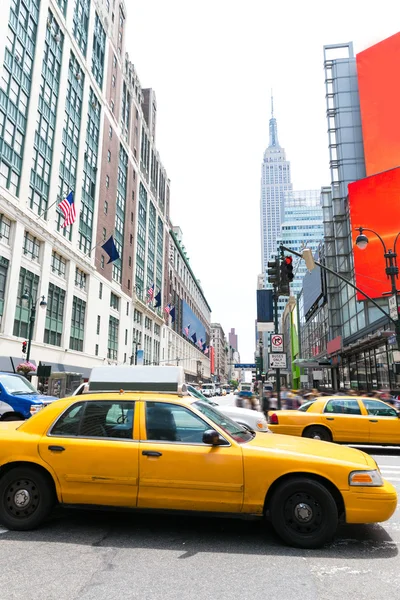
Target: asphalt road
[{"x": 98, "y": 555}]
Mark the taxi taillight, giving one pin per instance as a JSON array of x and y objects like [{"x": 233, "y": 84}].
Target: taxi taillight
[{"x": 273, "y": 419}]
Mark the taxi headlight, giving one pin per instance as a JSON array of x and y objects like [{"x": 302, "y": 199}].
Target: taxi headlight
[{"x": 366, "y": 478}]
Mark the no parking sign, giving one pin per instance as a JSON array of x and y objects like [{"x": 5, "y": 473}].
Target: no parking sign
[{"x": 276, "y": 342}]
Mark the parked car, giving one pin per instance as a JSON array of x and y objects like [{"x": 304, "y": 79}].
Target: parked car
[{"x": 19, "y": 399}]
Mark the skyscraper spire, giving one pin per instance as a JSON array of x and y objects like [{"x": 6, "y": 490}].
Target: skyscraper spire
[{"x": 273, "y": 127}]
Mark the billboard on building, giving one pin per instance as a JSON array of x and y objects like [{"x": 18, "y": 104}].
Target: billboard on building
[
  {"x": 374, "y": 204},
  {"x": 379, "y": 91},
  {"x": 193, "y": 323}
]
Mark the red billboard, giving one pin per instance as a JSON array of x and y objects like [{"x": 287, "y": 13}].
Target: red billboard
[
  {"x": 374, "y": 204},
  {"x": 379, "y": 90}
]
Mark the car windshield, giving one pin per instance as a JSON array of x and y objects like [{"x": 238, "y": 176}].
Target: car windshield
[
  {"x": 306, "y": 406},
  {"x": 16, "y": 384},
  {"x": 236, "y": 431}
]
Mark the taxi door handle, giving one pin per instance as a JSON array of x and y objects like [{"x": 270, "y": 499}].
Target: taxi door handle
[
  {"x": 330, "y": 418},
  {"x": 56, "y": 448},
  {"x": 373, "y": 420},
  {"x": 151, "y": 453}
]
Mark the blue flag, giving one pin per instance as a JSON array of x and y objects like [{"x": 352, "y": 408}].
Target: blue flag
[
  {"x": 204, "y": 346},
  {"x": 194, "y": 337},
  {"x": 172, "y": 313},
  {"x": 157, "y": 298},
  {"x": 110, "y": 249}
]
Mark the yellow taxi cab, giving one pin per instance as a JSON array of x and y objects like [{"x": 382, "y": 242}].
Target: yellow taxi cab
[
  {"x": 340, "y": 419},
  {"x": 135, "y": 440}
]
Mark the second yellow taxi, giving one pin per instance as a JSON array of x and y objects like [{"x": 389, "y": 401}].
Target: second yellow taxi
[{"x": 340, "y": 419}]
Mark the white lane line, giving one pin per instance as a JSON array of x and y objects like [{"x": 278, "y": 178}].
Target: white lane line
[
  {"x": 390, "y": 471},
  {"x": 3, "y": 530}
]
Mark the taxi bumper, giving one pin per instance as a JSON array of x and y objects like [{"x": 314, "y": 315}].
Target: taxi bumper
[{"x": 370, "y": 505}]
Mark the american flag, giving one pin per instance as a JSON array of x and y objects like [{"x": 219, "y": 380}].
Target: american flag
[
  {"x": 200, "y": 343},
  {"x": 167, "y": 309},
  {"x": 186, "y": 330},
  {"x": 67, "y": 207},
  {"x": 150, "y": 293},
  {"x": 206, "y": 350}
]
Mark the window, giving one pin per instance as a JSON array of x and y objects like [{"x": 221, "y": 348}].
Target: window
[
  {"x": 96, "y": 350},
  {"x": 126, "y": 337},
  {"x": 58, "y": 264},
  {"x": 3, "y": 280},
  {"x": 99, "y": 45},
  {"x": 345, "y": 407},
  {"x": 114, "y": 61},
  {"x": 113, "y": 328},
  {"x": 107, "y": 181},
  {"x": 5, "y": 226},
  {"x": 80, "y": 279},
  {"x": 131, "y": 239},
  {"x": 112, "y": 108},
  {"x": 54, "y": 315},
  {"x": 77, "y": 324},
  {"x": 105, "y": 207},
  {"x": 106, "y": 419},
  {"x": 98, "y": 325},
  {"x": 129, "y": 284},
  {"x": 102, "y": 261},
  {"x": 379, "y": 409},
  {"x": 100, "y": 290},
  {"x": 109, "y": 156},
  {"x": 31, "y": 246},
  {"x": 127, "y": 309},
  {"x": 114, "y": 301},
  {"x": 113, "y": 81},
  {"x": 172, "y": 423},
  {"x": 104, "y": 233},
  {"x": 29, "y": 281},
  {"x": 147, "y": 323},
  {"x": 110, "y": 132},
  {"x": 133, "y": 196},
  {"x": 131, "y": 217},
  {"x": 130, "y": 261}
]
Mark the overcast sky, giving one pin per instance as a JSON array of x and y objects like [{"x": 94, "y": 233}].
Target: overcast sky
[{"x": 212, "y": 65}]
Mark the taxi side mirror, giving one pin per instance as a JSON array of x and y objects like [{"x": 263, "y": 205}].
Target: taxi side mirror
[{"x": 211, "y": 437}]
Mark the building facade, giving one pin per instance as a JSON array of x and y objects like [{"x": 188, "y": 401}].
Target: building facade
[
  {"x": 186, "y": 340},
  {"x": 74, "y": 118},
  {"x": 221, "y": 353},
  {"x": 233, "y": 339},
  {"x": 275, "y": 183}
]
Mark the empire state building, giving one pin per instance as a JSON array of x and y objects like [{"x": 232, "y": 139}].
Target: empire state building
[{"x": 275, "y": 183}]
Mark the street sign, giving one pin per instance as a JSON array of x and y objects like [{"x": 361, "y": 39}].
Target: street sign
[
  {"x": 393, "y": 312},
  {"x": 245, "y": 366},
  {"x": 392, "y": 340},
  {"x": 277, "y": 361},
  {"x": 277, "y": 342}
]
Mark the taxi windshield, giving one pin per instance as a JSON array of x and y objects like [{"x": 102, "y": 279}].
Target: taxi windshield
[{"x": 237, "y": 432}]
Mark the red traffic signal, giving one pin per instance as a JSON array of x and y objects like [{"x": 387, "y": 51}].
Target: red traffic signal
[
  {"x": 24, "y": 345},
  {"x": 287, "y": 274}
]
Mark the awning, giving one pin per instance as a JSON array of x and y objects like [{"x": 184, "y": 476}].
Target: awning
[
  {"x": 60, "y": 368},
  {"x": 313, "y": 363}
]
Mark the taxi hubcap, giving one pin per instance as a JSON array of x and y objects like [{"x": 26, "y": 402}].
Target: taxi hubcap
[
  {"x": 303, "y": 513},
  {"x": 21, "y": 498}
]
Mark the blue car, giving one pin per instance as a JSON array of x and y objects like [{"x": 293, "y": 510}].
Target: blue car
[{"x": 18, "y": 398}]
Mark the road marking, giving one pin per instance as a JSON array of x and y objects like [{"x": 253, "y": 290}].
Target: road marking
[{"x": 3, "y": 530}]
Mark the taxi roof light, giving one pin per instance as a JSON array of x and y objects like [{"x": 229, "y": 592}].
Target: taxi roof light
[{"x": 123, "y": 379}]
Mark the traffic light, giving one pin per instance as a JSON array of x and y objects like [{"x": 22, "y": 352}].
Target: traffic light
[
  {"x": 273, "y": 272},
  {"x": 286, "y": 275},
  {"x": 24, "y": 344}
]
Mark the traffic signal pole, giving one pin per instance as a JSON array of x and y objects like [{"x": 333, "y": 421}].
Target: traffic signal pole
[{"x": 276, "y": 330}]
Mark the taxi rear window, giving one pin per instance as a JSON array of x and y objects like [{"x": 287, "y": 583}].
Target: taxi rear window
[{"x": 306, "y": 406}]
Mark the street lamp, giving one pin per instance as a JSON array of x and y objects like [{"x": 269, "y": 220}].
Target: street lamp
[
  {"x": 27, "y": 301},
  {"x": 391, "y": 268}
]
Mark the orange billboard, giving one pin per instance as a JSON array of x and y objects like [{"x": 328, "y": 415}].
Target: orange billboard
[
  {"x": 379, "y": 90},
  {"x": 374, "y": 204}
]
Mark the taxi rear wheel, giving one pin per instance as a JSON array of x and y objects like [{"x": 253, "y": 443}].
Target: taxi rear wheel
[
  {"x": 26, "y": 498},
  {"x": 318, "y": 433},
  {"x": 304, "y": 513}
]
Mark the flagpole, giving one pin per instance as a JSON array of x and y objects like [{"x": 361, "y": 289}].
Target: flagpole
[
  {"x": 94, "y": 247},
  {"x": 46, "y": 209}
]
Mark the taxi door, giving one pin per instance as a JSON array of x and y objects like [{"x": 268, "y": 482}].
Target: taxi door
[
  {"x": 384, "y": 423},
  {"x": 346, "y": 421},
  {"x": 92, "y": 450},
  {"x": 178, "y": 471}
]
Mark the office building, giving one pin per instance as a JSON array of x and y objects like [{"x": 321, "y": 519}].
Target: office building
[
  {"x": 74, "y": 118},
  {"x": 221, "y": 353}
]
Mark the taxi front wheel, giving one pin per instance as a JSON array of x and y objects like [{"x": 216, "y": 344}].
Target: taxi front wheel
[
  {"x": 304, "y": 513},
  {"x": 26, "y": 498}
]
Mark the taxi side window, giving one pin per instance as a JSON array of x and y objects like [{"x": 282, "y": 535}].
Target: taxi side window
[
  {"x": 105, "y": 419},
  {"x": 343, "y": 407},
  {"x": 173, "y": 423},
  {"x": 379, "y": 409}
]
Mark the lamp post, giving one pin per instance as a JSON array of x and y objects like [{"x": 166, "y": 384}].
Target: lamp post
[
  {"x": 28, "y": 302},
  {"x": 391, "y": 267}
]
